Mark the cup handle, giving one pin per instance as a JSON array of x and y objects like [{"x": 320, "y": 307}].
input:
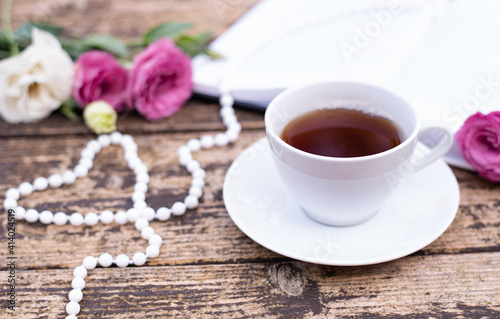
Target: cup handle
[{"x": 442, "y": 139}]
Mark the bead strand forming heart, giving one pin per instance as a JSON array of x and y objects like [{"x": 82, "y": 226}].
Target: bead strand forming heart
[{"x": 140, "y": 214}]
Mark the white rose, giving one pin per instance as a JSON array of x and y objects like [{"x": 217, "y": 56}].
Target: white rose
[{"x": 36, "y": 81}]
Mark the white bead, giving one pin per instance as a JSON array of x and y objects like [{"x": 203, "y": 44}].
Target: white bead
[
  {"x": 9, "y": 203},
  {"x": 20, "y": 213},
  {"x": 107, "y": 217},
  {"x": 69, "y": 177},
  {"x": 183, "y": 150},
  {"x": 131, "y": 156},
  {"x": 200, "y": 172},
  {"x": 229, "y": 120},
  {"x": 153, "y": 251},
  {"x": 60, "y": 218},
  {"x": 138, "y": 196},
  {"x": 134, "y": 162},
  {"x": 142, "y": 178},
  {"x": 148, "y": 213},
  {"x": 139, "y": 259},
  {"x": 133, "y": 214},
  {"x": 31, "y": 215},
  {"x": 178, "y": 208},
  {"x": 87, "y": 153},
  {"x": 122, "y": 260},
  {"x": 127, "y": 139},
  {"x": 155, "y": 240},
  {"x": 89, "y": 262},
  {"x": 196, "y": 191},
  {"x": 116, "y": 137},
  {"x": 226, "y": 99},
  {"x": 105, "y": 260},
  {"x": 121, "y": 217},
  {"x": 140, "y": 204},
  {"x": 207, "y": 141},
  {"x": 55, "y": 180},
  {"x": 86, "y": 162},
  {"x": 71, "y": 317},
  {"x": 194, "y": 144},
  {"x": 81, "y": 171},
  {"x": 141, "y": 169},
  {"x": 192, "y": 165},
  {"x": 141, "y": 223},
  {"x": 130, "y": 147},
  {"x": 221, "y": 139},
  {"x": 78, "y": 283},
  {"x": 226, "y": 111},
  {"x": 198, "y": 181},
  {"x": 147, "y": 232},
  {"x": 25, "y": 189},
  {"x": 73, "y": 308},
  {"x": 232, "y": 136},
  {"x": 13, "y": 193},
  {"x": 184, "y": 159},
  {"x": 80, "y": 271},
  {"x": 91, "y": 219},
  {"x": 76, "y": 219},
  {"x": 40, "y": 183},
  {"x": 46, "y": 217},
  {"x": 191, "y": 201},
  {"x": 163, "y": 213},
  {"x": 104, "y": 140},
  {"x": 141, "y": 187},
  {"x": 94, "y": 146},
  {"x": 234, "y": 127},
  {"x": 75, "y": 295}
]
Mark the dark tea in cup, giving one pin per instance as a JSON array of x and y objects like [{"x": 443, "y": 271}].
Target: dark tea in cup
[{"x": 341, "y": 132}]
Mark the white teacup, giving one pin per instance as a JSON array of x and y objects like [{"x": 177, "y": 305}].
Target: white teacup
[{"x": 347, "y": 191}]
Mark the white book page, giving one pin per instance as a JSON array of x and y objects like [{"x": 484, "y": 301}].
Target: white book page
[
  {"x": 263, "y": 61},
  {"x": 454, "y": 71}
]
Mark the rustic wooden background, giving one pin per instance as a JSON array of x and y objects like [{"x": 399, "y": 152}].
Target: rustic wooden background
[{"x": 207, "y": 267}]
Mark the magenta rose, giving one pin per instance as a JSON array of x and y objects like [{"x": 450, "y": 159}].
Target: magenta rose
[
  {"x": 160, "y": 80},
  {"x": 98, "y": 76},
  {"x": 479, "y": 142}
]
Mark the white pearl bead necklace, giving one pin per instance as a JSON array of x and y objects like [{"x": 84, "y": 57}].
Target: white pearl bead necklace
[{"x": 140, "y": 214}]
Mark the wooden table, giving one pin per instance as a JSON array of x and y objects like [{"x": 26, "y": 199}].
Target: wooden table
[{"x": 207, "y": 267}]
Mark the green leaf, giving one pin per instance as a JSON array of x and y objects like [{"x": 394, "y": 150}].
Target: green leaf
[
  {"x": 106, "y": 43},
  {"x": 213, "y": 54},
  {"x": 54, "y": 29},
  {"x": 68, "y": 108},
  {"x": 4, "y": 41},
  {"x": 193, "y": 45},
  {"x": 169, "y": 29},
  {"x": 4, "y": 54},
  {"x": 23, "y": 33},
  {"x": 73, "y": 47}
]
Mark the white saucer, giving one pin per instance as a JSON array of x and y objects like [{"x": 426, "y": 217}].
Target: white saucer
[{"x": 419, "y": 211}]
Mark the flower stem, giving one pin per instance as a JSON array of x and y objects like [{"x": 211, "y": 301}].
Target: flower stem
[{"x": 7, "y": 27}]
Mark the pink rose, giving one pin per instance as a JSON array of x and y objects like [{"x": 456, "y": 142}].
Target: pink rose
[
  {"x": 160, "y": 80},
  {"x": 98, "y": 76},
  {"x": 479, "y": 142}
]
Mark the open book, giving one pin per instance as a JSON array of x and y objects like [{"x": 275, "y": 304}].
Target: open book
[{"x": 442, "y": 55}]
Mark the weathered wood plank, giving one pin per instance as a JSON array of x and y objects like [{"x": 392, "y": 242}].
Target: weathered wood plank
[
  {"x": 206, "y": 235},
  {"x": 197, "y": 115},
  {"x": 459, "y": 286},
  {"x": 129, "y": 18}
]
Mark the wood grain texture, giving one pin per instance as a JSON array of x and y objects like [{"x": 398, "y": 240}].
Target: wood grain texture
[
  {"x": 207, "y": 267},
  {"x": 463, "y": 286},
  {"x": 110, "y": 183}
]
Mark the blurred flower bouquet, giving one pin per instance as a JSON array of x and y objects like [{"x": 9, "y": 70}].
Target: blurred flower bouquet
[{"x": 151, "y": 75}]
